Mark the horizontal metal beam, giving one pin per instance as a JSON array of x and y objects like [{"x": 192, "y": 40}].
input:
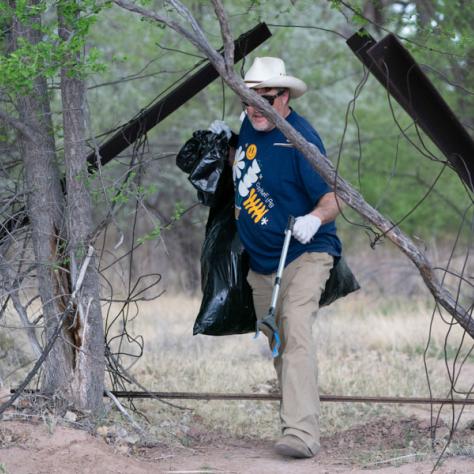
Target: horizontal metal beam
[
  {"x": 396, "y": 69},
  {"x": 277, "y": 396},
  {"x": 153, "y": 115},
  {"x": 157, "y": 112}
]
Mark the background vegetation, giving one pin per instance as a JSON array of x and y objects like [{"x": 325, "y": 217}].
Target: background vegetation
[
  {"x": 372, "y": 154},
  {"x": 130, "y": 62}
]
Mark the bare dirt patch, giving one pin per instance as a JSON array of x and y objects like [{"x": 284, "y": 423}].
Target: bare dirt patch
[{"x": 383, "y": 446}]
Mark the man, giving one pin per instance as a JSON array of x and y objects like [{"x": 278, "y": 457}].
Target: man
[{"x": 272, "y": 181}]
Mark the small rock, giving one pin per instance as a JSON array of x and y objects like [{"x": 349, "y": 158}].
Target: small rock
[
  {"x": 122, "y": 432},
  {"x": 70, "y": 416},
  {"x": 131, "y": 439},
  {"x": 103, "y": 431}
]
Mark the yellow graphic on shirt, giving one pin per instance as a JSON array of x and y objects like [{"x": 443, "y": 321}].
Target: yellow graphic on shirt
[
  {"x": 251, "y": 152},
  {"x": 254, "y": 206}
]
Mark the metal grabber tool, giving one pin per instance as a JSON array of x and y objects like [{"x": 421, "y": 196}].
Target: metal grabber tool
[{"x": 269, "y": 321}]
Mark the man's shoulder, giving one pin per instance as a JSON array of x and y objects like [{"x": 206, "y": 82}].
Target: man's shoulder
[
  {"x": 298, "y": 120},
  {"x": 244, "y": 125},
  {"x": 303, "y": 126}
]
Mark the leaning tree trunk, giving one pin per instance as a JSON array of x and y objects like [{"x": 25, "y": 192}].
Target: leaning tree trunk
[
  {"x": 44, "y": 207},
  {"x": 88, "y": 333}
]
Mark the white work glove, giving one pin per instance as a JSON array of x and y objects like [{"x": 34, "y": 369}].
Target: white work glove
[
  {"x": 218, "y": 126},
  {"x": 305, "y": 227}
]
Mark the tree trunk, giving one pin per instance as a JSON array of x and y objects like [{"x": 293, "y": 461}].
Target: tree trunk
[
  {"x": 89, "y": 361},
  {"x": 44, "y": 205}
]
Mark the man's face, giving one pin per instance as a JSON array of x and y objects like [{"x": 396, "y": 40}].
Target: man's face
[{"x": 280, "y": 104}]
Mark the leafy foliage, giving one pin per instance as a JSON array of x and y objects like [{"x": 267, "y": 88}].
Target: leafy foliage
[{"x": 26, "y": 61}]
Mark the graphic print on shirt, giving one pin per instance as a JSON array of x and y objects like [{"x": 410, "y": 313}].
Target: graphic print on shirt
[{"x": 249, "y": 194}]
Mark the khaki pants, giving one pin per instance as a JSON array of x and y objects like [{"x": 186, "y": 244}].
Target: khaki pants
[{"x": 302, "y": 283}]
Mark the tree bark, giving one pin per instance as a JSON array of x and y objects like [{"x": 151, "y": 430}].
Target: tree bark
[
  {"x": 87, "y": 331},
  {"x": 45, "y": 209},
  {"x": 74, "y": 368}
]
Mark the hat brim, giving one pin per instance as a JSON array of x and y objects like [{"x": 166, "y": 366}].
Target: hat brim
[{"x": 296, "y": 86}]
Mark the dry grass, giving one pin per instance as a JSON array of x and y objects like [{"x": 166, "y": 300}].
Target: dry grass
[
  {"x": 368, "y": 344},
  {"x": 363, "y": 350}
]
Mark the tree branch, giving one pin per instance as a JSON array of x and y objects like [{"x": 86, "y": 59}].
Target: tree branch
[
  {"x": 54, "y": 336},
  {"x": 125, "y": 413},
  {"x": 196, "y": 37},
  {"x": 18, "y": 125},
  {"x": 29, "y": 327},
  {"x": 226, "y": 34}
]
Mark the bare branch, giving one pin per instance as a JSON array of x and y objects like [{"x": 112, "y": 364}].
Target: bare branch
[
  {"x": 82, "y": 271},
  {"x": 29, "y": 327},
  {"x": 226, "y": 34},
  {"x": 52, "y": 339},
  {"x": 380, "y": 27},
  {"x": 125, "y": 413},
  {"x": 309, "y": 27},
  {"x": 18, "y": 125},
  {"x": 197, "y": 37}
]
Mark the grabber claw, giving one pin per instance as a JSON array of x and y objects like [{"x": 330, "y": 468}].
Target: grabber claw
[{"x": 270, "y": 321}]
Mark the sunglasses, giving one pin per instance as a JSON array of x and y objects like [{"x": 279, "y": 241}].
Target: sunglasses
[{"x": 269, "y": 98}]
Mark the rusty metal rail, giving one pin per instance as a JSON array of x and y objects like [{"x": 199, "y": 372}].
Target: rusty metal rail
[
  {"x": 397, "y": 70},
  {"x": 272, "y": 397},
  {"x": 158, "y": 111},
  {"x": 277, "y": 396}
]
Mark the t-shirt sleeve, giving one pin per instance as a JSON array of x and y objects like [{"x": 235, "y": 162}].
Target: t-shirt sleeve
[{"x": 314, "y": 184}]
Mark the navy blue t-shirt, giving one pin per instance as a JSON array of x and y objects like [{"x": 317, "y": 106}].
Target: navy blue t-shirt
[{"x": 272, "y": 181}]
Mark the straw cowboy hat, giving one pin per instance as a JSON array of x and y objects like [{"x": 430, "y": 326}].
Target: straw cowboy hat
[{"x": 271, "y": 72}]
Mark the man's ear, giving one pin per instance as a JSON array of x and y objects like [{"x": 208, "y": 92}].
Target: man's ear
[{"x": 286, "y": 95}]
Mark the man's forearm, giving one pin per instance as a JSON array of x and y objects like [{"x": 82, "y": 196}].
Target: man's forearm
[{"x": 327, "y": 208}]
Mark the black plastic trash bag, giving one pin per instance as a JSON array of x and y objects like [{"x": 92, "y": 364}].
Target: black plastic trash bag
[
  {"x": 340, "y": 283},
  {"x": 204, "y": 156},
  {"x": 227, "y": 304}
]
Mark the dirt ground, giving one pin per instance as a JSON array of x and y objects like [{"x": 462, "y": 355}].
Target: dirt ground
[{"x": 382, "y": 446}]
